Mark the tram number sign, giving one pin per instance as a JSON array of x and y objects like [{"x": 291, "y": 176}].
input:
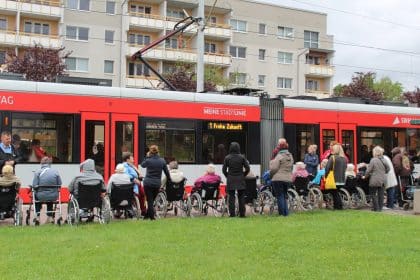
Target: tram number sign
[{"x": 415, "y": 122}]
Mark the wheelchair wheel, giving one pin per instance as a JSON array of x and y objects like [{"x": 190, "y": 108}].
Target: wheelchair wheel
[
  {"x": 161, "y": 205},
  {"x": 345, "y": 198},
  {"x": 309, "y": 202},
  {"x": 185, "y": 207},
  {"x": 358, "y": 198},
  {"x": 136, "y": 207},
  {"x": 73, "y": 212},
  {"x": 293, "y": 200},
  {"x": 18, "y": 216},
  {"x": 266, "y": 203},
  {"x": 219, "y": 207},
  {"x": 196, "y": 205},
  {"x": 28, "y": 216},
  {"x": 329, "y": 202},
  {"x": 318, "y": 197},
  {"x": 105, "y": 211}
]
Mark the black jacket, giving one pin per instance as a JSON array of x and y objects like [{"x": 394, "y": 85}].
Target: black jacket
[
  {"x": 235, "y": 168},
  {"x": 6, "y": 157},
  {"x": 154, "y": 166}
]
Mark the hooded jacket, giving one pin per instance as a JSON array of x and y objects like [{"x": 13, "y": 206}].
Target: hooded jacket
[
  {"x": 88, "y": 176},
  {"x": 235, "y": 168}
]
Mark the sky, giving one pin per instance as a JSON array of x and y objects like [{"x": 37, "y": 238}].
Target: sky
[{"x": 381, "y": 36}]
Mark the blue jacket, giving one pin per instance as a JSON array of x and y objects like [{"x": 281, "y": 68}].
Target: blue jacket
[
  {"x": 311, "y": 161},
  {"x": 154, "y": 166}
]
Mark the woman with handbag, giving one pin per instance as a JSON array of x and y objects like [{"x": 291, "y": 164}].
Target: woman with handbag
[
  {"x": 335, "y": 170},
  {"x": 281, "y": 176}
]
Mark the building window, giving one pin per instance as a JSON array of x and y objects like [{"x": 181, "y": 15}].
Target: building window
[
  {"x": 110, "y": 7},
  {"x": 261, "y": 54},
  {"x": 140, "y": 9},
  {"x": 138, "y": 39},
  {"x": 3, "y": 24},
  {"x": 138, "y": 69},
  {"x": 77, "y": 33},
  {"x": 174, "y": 43},
  {"x": 262, "y": 29},
  {"x": 238, "y": 25},
  {"x": 213, "y": 20},
  {"x": 237, "y": 78},
  {"x": 311, "y": 39},
  {"x": 285, "y": 32},
  {"x": 82, "y": 5},
  {"x": 312, "y": 60},
  {"x": 36, "y": 28},
  {"x": 2, "y": 57},
  {"x": 285, "y": 58},
  {"x": 108, "y": 66},
  {"x": 77, "y": 64},
  {"x": 284, "y": 83},
  {"x": 109, "y": 36},
  {"x": 176, "y": 14},
  {"x": 209, "y": 47},
  {"x": 238, "y": 52},
  {"x": 261, "y": 80},
  {"x": 312, "y": 85}
]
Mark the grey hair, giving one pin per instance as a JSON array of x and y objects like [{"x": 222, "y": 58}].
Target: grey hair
[{"x": 377, "y": 151}]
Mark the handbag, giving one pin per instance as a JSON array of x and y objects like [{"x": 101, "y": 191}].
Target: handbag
[{"x": 330, "y": 180}]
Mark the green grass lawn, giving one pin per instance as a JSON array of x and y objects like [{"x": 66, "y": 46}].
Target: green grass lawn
[{"x": 317, "y": 245}]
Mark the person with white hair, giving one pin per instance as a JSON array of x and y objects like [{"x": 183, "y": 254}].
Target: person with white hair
[
  {"x": 209, "y": 177},
  {"x": 176, "y": 175},
  {"x": 350, "y": 170},
  {"x": 120, "y": 177},
  {"x": 376, "y": 172}
]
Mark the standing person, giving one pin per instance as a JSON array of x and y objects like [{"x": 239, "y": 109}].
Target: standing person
[
  {"x": 327, "y": 153},
  {"x": 37, "y": 151},
  {"x": 391, "y": 183},
  {"x": 376, "y": 172},
  {"x": 7, "y": 151},
  {"x": 311, "y": 160},
  {"x": 46, "y": 176},
  {"x": 280, "y": 143},
  {"x": 337, "y": 162},
  {"x": 154, "y": 165},
  {"x": 281, "y": 176},
  {"x": 235, "y": 168},
  {"x": 135, "y": 175}
]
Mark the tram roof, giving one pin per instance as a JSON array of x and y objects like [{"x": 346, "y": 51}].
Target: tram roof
[
  {"x": 117, "y": 92},
  {"x": 349, "y": 107}
]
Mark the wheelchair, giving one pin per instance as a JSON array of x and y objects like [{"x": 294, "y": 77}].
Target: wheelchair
[
  {"x": 358, "y": 196},
  {"x": 407, "y": 191},
  {"x": 10, "y": 206},
  {"x": 45, "y": 194},
  {"x": 173, "y": 197},
  {"x": 124, "y": 202},
  {"x": 88, "y": 205},
  {"x": 344, "y": 195},
  {"x": 310, "y": 197},
  {"x": 261, "y": 200},
  {"x": 208, "y": 198}
]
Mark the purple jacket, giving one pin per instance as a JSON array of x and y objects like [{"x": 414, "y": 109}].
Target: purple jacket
[{"x": 208, "y": 178}]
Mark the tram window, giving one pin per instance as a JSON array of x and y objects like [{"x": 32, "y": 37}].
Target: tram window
[
  {"x": 36, "y": 135},
  {"x": 304, "y": 138},
  {"x": 328, "y": 135},
  {"x": 217, "y": 137},
  {"x": 413, "y": 142},
  {"x": 125, "y": 139},
  {"x": 347, "y": 143},
  {"x": 175, "y": 139}
]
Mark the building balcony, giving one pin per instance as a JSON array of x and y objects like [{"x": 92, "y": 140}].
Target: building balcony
[
  {"x": 320, "y": 70},
  {"x": 214, "y": 31},
  {"x": 318, "y": 93},
  {"x": 47, "y": 41},
  {"x": 7, "y": 37},
  {"x": 147, "y": 21},
  {"x": 186, "y": 55},
  {"x": 142, "y": 82},
  {"x": 45, "y": 8}
]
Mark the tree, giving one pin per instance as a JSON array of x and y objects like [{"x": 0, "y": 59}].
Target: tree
[
  {"x": 413, "y": 96},
  {"x": 391, "y": 91},
  {"x": 338, "y": 89},
  {"x": 184, "y": 77},
  {"x": 38, "y": 63},
  {"x": 362, "y": 86}
]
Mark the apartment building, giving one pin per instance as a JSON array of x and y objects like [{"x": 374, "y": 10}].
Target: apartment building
[{"x": 277, "y": 49}]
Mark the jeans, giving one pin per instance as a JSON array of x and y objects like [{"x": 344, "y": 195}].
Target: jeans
[
  {"x": 390, "y": 197},
  {"x": 280, "y": 191},
  {"x": 377, "y": 194},
  {"x": 241, "y": 200},
  {"x": 151, "y": 193}
]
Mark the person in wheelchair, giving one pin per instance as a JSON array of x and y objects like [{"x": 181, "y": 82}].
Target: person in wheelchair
[
  {"x": 9, "y": 179},
  {"x": 209, "y": 177},
  {"x": 88, "y": 176},
  {"x": 300, "y": 171},
  {"x": 176, "y": 175},
  {"x": 46, "y": 176},
  {"x": 120, "y": 177},
  {"x": 350, "y": 171}
]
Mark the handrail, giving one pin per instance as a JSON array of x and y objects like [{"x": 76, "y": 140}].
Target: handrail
[
  {"x": 54, "y": 3},
  {"x": 143, "y": 15}
]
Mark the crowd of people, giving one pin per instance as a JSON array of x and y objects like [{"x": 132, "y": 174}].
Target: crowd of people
[{"x": 382, "y": 174}]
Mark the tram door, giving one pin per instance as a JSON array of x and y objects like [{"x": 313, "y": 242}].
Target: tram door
[
  {"x": 105, "y": 136},
  {"x": 347, "y": 138},
  {"x": 328, "y": 133}
]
